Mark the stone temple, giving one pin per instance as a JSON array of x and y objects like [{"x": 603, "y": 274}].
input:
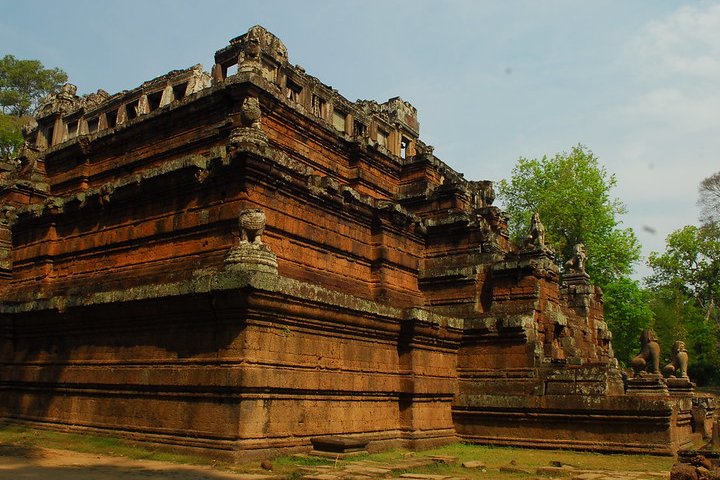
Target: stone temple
[{"x": 243, "y": 262}]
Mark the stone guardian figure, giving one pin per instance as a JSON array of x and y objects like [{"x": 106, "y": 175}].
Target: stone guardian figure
[
  {"x": 678, "y": 367},
  {"x": 576, "y": 264},
  {"x": 250, "y": 253},
  {"x": 252, "y": 225},
  {"x": 648, "y": 360},
  {"x": 536, "y": 237}
]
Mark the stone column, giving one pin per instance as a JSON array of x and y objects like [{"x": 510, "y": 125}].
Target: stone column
[
  {"x": 579, "y": 289},
  {"x": 217, "y": 74}
]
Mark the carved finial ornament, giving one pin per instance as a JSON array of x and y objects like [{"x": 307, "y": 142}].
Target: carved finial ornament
[
  {"x": 250, "y": 131},
  {"x": 250, "y": 253},
  {"x": 251, "y": 112},
  {"x": 64, "y": 100}
]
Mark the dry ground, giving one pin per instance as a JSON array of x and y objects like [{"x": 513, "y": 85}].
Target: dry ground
[
  {"x": 35, "y": 455},
  {"x": 46, "y": 464}
]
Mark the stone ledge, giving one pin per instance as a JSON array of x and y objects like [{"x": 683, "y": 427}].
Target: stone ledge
[{"x": 225, "y": 281}]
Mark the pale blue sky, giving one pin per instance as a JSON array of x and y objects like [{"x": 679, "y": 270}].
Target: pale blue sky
[{"x": 636, "y": 81}]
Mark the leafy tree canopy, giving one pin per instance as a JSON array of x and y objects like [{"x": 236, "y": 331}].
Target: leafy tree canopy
[
  {"x": 685, "y": 293},
  {"x": 572, "y": 193},
  {"x": 628, "y": 313},
  {"x": 677, "y": 316},
  {"x": 691, "y": 264},
  {"x": 24, "y": 82},
  {"x": 10, "y": 136}
]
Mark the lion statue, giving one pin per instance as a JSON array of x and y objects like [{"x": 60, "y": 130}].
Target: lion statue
[
  {"x": 648, "y": 360},
  {"x": 536, "y": 237},
  {"x": 252, "y": 225},
  {"x": 678, "y": 367},
  {"x": 576, "y": 264}
]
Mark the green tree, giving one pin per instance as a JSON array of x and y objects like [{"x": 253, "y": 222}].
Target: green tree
[
  {"x": 572, "y": 193},
  {"x": 691, "y": 264},
  {"x": 686, "y": 291},
  {"x": 10, "y": 136},
  {"x": 628, "y": 313},
  {"x": 24, "y": 82},
  {"x": 678, "y": 317}
]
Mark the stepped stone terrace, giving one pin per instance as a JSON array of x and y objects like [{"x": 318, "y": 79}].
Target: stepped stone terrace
[{"x": 244, "y": 262}]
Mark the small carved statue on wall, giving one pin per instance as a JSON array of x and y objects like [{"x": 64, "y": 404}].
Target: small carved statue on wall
[
  {"x": 678, "y": 367},
  {"x": 249, "y": 132},
  {"x": 250, "y": 55},
  {"x": 252, "y": 225},
  {"x": 648, "y": 360},
  {"x": 28, "y": 151},
  {"x": 250, "y": 253},
  {"x": 251, "y": 112},
  {"x": 483, "y": 193},
  {"x": 252, "y": 48},
  {"x": 557, "y": 352},
  {"x": 489, "y": 242},
  {"x": 536, "y": 237},
  {"x": 576, "y": 264}
]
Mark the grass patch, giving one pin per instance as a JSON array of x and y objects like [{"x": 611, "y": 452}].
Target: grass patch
[
  {"x": 530, "y": 459},
  {"x": 541, "y": 458},
  {"x": 15, "y": 436},
  {"x": 302, "y": 461},
  {"x": 494, "y": 458}
]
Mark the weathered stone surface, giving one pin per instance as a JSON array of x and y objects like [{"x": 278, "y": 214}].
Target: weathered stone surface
[
  {"x": 683, "y": 471},
  {"x": 339, "y": 444}
]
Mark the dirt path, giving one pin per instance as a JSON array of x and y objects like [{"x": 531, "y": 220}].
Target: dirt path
[{"x": 43, "y": 464}]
